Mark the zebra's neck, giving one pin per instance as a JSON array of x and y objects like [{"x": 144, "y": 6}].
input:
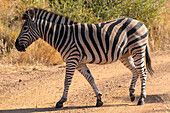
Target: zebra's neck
[
  {"x": 57, "y": 35},
  {"x": 52, "y": 17}
]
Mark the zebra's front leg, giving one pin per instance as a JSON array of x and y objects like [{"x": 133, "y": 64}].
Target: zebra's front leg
[
  {"x": 84, "y": 70},
  {"x": 71, "y": 65}
]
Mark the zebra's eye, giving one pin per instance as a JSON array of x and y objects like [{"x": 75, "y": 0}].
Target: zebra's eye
[{"x": 25, "y": 28}]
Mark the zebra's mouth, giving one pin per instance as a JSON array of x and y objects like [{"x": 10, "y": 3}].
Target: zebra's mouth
[{"x": 19, "y": 47}]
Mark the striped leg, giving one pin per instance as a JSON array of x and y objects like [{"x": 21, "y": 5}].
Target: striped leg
[
  {"x": 84, "y": 70},
  {"x": 71, "y": 65},
  {"x": 129, "y": 63},
  {"x": 138, "y": 57}
]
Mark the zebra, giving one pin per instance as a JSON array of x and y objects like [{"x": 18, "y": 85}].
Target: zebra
[{"x": 79, "y": 44}]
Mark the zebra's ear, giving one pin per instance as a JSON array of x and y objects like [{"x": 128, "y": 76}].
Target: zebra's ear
[
  {"x": 25, "y": 16},
  {"x": 29, "y": 14}
]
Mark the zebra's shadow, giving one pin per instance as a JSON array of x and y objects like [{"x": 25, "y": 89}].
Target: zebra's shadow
[
  {"x": 32, "y": 110},
  {"x": 157, "y": 98}
]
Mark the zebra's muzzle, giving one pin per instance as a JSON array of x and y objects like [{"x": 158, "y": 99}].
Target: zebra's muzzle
[{"x": 19, "y": 47}]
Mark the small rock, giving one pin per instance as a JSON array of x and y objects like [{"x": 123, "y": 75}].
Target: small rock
[
  {"x": 34, "y": 69},
  {"x": 20, "y": 80}
]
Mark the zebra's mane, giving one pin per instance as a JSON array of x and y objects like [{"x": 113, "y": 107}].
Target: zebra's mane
[{"x": 39, "y": 9}]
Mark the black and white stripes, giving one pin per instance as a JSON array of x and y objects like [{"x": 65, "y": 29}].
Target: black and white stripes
[{"x": 123, "y": 39}]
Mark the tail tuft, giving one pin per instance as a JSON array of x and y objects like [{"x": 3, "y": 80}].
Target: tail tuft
[{"x": 148, "y": 62}]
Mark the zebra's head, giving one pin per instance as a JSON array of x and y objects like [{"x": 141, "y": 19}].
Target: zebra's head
[{"x": 29, "y": 32}]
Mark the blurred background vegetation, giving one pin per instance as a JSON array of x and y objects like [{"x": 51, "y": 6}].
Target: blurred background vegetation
[{"x": 153, "y": 13}]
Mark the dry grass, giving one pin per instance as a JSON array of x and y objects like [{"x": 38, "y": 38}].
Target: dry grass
[
  {"x": 159, "y": 30},
  {"x": 38, "y": 53}
]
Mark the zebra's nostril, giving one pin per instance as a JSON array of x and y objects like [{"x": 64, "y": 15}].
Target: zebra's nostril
[{"x": 16, "y": 44}]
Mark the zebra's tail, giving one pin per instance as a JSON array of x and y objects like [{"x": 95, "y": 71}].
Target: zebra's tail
[{"x": 148, "y": 62}]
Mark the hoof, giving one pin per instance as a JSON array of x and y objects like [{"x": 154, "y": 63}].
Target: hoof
[
  {"x": 99, "y": 103},
  {"x": 132, "y": 97},
  {"x": 140, "y": 102},
  {"x": 59, "y": 105}
]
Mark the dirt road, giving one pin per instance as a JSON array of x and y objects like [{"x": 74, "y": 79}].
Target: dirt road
[{"x": 38, "y": 88}]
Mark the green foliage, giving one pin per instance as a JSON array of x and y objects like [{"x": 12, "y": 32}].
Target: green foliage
[{"x": 102, "y": 10}]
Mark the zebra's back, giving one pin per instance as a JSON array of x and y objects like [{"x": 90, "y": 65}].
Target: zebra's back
[{"x": 106, "y": 42}]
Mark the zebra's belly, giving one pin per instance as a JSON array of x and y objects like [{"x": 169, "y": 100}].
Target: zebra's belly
[{"x": 102, "y": 59}]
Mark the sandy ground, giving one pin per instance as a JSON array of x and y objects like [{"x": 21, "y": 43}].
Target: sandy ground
[{"x": 38, "y": 88}]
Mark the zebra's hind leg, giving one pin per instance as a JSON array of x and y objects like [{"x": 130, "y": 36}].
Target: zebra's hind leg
[
  {"x": 127, "y": 60},
  {"x": 84, "y": 70},
  {"x": 138, "y": 57}
]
